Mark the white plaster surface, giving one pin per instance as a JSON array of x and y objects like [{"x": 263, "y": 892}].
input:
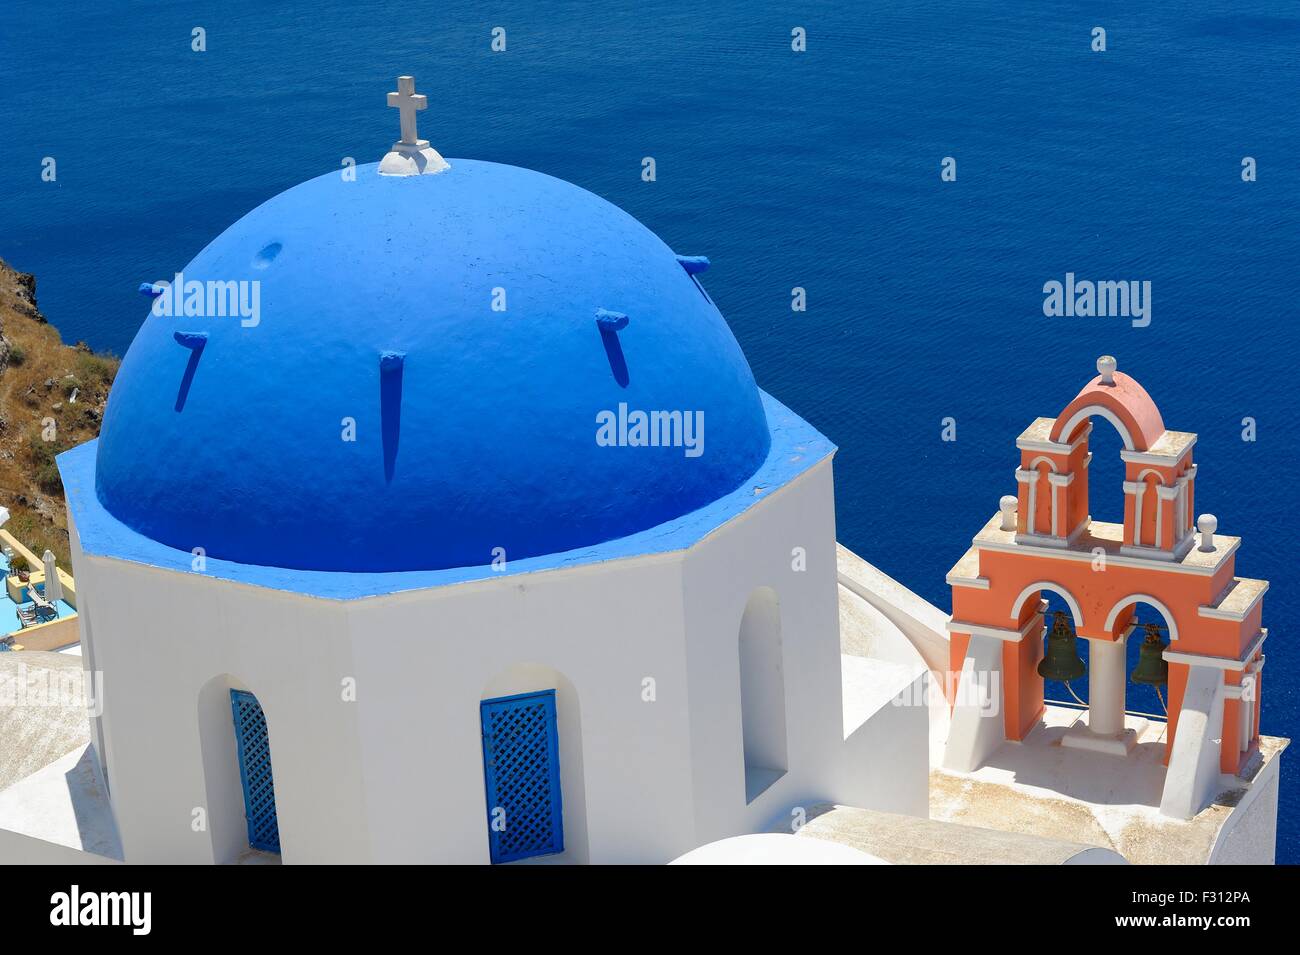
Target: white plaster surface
[
  {"x": 1194, "y": 761},
  {"x": 1040, "y": 788},
  {"x": 870, "y": 685},
  {"x": 908, "y": 840},
  {"x": 644, "y": 778},
  {"x": 770, "y": 848},
  {"x": 405, "y": 160},
  {"x": 922, "y": 624},
  {"x": 395, "y": 773},
  {"x": 977, "y": 727},
  {"x": 883, "y": 620},
  {"x": 42, "y": 711},
  {"x": 63, "y": 806},
  {"x": 1250, "y": 836}
]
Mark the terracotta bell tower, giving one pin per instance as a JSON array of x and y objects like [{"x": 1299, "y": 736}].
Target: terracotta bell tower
[{"x": 1044, "y": 539}]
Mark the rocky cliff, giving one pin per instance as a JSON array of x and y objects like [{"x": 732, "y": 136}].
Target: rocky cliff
[{"x": 52, "y": 397}]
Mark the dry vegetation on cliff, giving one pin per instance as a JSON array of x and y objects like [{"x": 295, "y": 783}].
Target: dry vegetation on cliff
[{"x": 52, "y": 398}]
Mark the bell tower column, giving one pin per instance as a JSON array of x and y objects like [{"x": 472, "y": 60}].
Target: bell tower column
[
  {"x": 1106, "y": 686},
  {"x": 1105, "y": 730}
]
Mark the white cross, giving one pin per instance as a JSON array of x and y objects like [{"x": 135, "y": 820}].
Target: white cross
[{"x": 408, "y": 103}]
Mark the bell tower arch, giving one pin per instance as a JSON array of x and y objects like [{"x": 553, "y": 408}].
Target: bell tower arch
[{"x": 1204, "y": 640}]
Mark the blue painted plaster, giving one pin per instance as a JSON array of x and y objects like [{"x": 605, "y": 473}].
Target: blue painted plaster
[
  {"x": 482, "y": 437},
  {"x": 794, "y": 447}
]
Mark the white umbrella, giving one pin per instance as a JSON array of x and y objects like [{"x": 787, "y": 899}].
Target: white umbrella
[{"x": 53, "y": 586}]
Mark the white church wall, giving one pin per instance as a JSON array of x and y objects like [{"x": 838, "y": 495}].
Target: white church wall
[
  {"x": 604, "y": 629},
  {"x": 174, "y": 644},
  {"x": 762, "y": 692},
  {"x": 217, "y": 748},
  {"x": 293, "y": 653},
  {"x": 721, "y": 575},
  {"x": 913, "y": 617},
  {"x": 85, "y": 630},
  {"x": 885, "y": 763},
  {"x": 869, "y": 634},
  {"x": 160, "y": 638},
  {"x": 373, "y": 705},
  {"x": 18, "y": 849},
  {"x": 530, "y": 678},
  {"x": 1249, "y": 836}
]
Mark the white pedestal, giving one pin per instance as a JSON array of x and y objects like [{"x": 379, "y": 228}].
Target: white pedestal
[
  {"x": 418, "y": 159},
  {"x": 1080, "y": 736}
]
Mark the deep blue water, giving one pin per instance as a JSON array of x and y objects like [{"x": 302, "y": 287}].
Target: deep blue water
[{"x": 819, "y": 170}]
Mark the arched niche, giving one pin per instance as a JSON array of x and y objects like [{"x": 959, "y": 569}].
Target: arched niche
[
  {"x": 527, "y": 677},
  {"x": 227, "y": 826},
  {"x": 762, "y": 692}
]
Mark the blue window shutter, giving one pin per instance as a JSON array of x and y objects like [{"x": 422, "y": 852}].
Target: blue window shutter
[
  {"x": 521, "y": 769},
  {"x": 255, "y": 771}
]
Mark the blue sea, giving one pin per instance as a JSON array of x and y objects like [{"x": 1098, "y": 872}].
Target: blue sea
[{"x": 818, "y": 169}]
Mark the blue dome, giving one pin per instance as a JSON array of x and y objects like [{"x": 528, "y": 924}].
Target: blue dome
[{"x": 382, "y": 416}]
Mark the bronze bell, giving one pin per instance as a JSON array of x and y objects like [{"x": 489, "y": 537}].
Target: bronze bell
[
  {"x": 1151, "y": 669},
  {"x": 1061, "y": 662}
]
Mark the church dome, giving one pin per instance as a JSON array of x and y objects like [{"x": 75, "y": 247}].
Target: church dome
[{"x": 419, "y": 377}]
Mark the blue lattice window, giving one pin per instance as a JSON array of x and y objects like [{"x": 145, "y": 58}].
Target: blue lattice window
[
  {"x": 255, "y": 771},
  {"x": 521, "y": 767}
]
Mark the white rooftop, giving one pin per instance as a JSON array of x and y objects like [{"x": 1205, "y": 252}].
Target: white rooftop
[{"x": 1037, "y": 787}]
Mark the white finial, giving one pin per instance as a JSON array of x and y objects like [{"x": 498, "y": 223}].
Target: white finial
[
  {"x": 410, "y": 156},
  {"x": 1008, "y": 505},
  {"x": 1106, "y": 367},
  {"x": 1207, "y": 524}
]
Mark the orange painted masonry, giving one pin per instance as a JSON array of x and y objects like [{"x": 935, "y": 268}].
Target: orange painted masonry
[{"x": 1101, "y": 571}]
